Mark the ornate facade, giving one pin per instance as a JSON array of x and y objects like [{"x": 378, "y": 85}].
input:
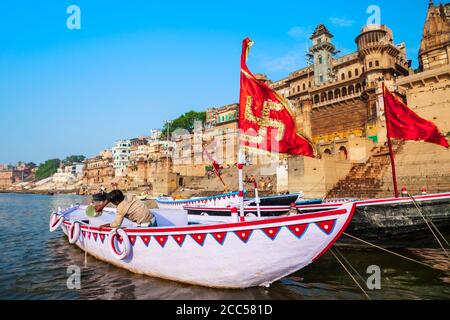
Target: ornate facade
[{"x": 338, "y": 98}]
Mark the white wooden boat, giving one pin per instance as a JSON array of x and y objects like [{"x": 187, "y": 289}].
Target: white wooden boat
[
  {"x": 393, "y": 222},
  {"x": 231, "y": 255}
]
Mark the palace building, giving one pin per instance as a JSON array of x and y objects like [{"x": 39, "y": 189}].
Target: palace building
[{"x": 336, "y": 99}]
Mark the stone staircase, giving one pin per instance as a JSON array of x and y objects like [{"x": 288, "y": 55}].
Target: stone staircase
[{"x": 365, "y": 180}]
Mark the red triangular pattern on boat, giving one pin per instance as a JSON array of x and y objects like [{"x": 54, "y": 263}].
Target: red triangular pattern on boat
[
  {"x": 244, "y": 235},
  {"x": 271, "y": 232},
  {"x": 95, "y": 234},
  {"x": 298, "y": 229},
  {"x": 89, "y": 235},
  {"x": 145, "y": 239},
  {"x": 83, "y": 233},
  {"x": 132, "y": 240},
  {"x": 219, "y": 236},
  {"x": 326, "y": 226},
  {"x": 119, "y": 238},
  {"x": 179, "y": 239},
  {"x": 199, "y": 238},
  {"x": 102, "y": 237},
  {"x": 161, "y": 240}
]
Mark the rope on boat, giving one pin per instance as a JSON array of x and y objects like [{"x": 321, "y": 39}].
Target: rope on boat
[
  {"x": 389, "y": 251},
  {"x": 437, "y": 230},
  {"x": 349, "y": 264},
  {"x": 350, "y": 274},
  {"x": 428, "y": 225}
]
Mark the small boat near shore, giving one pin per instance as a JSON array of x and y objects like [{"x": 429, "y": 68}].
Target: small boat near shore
[
  {"x": 226, "y": 200},
  {"x": 394, "y": 222},
  {"x": 223, "y": 255}
]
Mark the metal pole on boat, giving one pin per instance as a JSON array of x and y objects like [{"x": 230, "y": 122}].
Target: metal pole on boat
[
  {"x": 257, "y": 200},
  {"x": 391, "y": 152},
  {"x": 241, "y": 181}
]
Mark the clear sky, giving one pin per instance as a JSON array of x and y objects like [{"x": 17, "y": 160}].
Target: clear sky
[{"x": 134, "y": 64}]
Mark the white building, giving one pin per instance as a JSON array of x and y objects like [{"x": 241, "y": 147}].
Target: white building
[{"x": 121, "y": 156}]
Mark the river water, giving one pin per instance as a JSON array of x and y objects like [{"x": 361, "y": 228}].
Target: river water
[{"x": 34, "y": 262}]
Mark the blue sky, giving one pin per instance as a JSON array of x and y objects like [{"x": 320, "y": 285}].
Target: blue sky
[{"x": 134, "y": 64}]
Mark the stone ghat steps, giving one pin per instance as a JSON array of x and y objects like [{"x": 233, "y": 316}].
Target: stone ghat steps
[{"x": 365, "y": 180}]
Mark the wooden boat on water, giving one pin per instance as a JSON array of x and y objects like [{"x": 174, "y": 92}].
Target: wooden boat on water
[
  {"x": 225, "y": 200},
  {"x": 389, "y": 221},
  {"x": 224, "y": 255}
]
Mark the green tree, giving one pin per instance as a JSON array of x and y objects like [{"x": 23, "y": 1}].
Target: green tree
[
  {"x": 73, "y": 159},
  {"x": 185, "y": 121},
  {"x": 47, "y": 168}
]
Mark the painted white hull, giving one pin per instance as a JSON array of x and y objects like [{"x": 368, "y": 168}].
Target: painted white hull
[{"x": 237, "y": 255}]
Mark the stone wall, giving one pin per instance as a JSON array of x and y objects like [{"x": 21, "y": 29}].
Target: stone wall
[{"x": 315, "y": 176}]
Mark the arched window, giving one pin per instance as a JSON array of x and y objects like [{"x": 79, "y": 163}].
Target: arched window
[
  {"x": 349, "y": 74},
  {"x": 298, "y": 88},
  {"x": 327, "y": 151},
  {"x": 343, "y": 153},
  {"x": 356, "y": 72},
  {"x": 323, "y": 97},
  {"x": 344, "y": 92},
  {"x": 316, "y": 98},
  {"x": 351, "y": 90},
  {"x": 304, "y": 86},
  {"x": 358, "y": 88},
  {"x": 377, "y": 63},
  {"x": 370, "y": 64},
  {"x": 343, "y": 76},
  {"x": 330, "y": 95},
  {"x": 337, "y": 93},
  {"x": 320, "y": 60}
]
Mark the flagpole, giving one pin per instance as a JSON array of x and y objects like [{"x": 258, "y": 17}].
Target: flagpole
[
  {"x": 391, "y": 152},
  {"x": 240, "y": 177}
]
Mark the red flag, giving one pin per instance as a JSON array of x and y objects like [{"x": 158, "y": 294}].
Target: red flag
[
  {"x": 402, "y": 123},
  {"x": 265, "y": 117}
]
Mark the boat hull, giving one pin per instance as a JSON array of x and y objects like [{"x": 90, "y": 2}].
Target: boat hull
[{"x": 236, "y": 255}]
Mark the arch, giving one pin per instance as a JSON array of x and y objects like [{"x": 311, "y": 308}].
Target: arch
[
  {"x": 323, "y": 97},
  {"x": 343, "y": 153},
  {"x": 370, "y": 64},
  {"x": 349, "y": 74},
  {"x": 316, "y": 98},
  {"x": 298, "y": 88},
  {"x": 304, "y": 86},
  {"x": 330, "y": 95},
  {"x": 351, "y": 90},
  {"x": 343, "y": 76},
  {"x": 358, "y": 87},
  {"x": 327, "y": 151},
  {"x": 356, "y": 72},
  {"x": 344, "y": 92},
  {"x": 377, "y": 63},
  {"x": 337, "y": 93}
]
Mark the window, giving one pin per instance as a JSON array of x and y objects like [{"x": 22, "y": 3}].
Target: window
[
  {"x": 349, "y": 74},
  {"x": 304, "y": 86},
  {"x": 356, "y": 72},
  {"x": 370, "y": 64},
  {"x": 342, "y": 76},
  {"x": 321, "y": 78},
  {"x": 377, "y": 63},
  {"x": 320, "y": 60}
]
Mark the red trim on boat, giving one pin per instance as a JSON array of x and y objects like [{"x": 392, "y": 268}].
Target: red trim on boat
[{"x": 349, "y": 218}]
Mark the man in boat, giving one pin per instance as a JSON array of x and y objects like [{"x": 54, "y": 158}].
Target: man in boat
[{"x": 129, "y": 207}]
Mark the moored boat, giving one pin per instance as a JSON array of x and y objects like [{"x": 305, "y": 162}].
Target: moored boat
[
  {"x": 231, "y": 255},
  {"x": 394, "y": 222}
]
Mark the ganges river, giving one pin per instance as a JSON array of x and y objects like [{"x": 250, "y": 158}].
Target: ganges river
[{"x": 34, "y": 262}]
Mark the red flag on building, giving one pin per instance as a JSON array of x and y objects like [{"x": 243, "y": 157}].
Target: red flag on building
[
  {"x": 265, "y": 118},
  {"x": 402, "y": 123}
]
